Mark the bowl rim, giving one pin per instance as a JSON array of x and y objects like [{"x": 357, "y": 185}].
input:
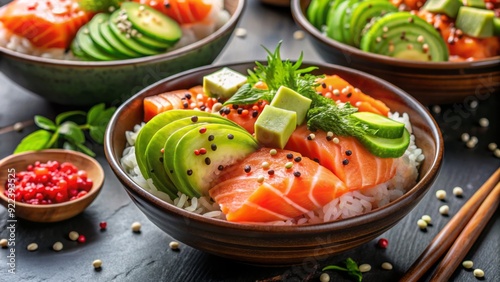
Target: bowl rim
[
  {"x": 96, "y": 186},
  {"x": 131, "y": 187},
  {"x": 220, "y": 32},
  {"x": 301, "y": 20}
]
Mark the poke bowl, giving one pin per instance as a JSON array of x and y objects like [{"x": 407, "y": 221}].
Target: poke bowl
[
  {"x": 279, "y": 242},
  {"x": 459, "y": 80},
  {"x": 61, "y": 76}
]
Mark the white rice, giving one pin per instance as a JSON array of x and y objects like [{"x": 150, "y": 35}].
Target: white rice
[
  {"x": 348, "y": 205},
  {"x": 190, "y": 34}
]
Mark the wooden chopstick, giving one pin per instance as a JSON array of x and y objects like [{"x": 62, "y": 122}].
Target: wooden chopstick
[
  {"x": 467, "y": 237},
  {"x": 445, "y": 238}
]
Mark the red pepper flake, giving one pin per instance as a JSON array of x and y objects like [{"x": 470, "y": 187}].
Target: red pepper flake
[
  {"x": 383, "y": 243},
  {"x": 203, "y": 130}
]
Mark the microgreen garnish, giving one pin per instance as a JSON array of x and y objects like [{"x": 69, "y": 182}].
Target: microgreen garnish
[
  {"x": 351, "y": 267},
  {"x": 66, "y": 132}
]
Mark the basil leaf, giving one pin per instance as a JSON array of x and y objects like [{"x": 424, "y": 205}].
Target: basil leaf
[
  {"x": 94, "y": 113},
  {"x": 64, "y": 116},
  {"x": 72, "y": 132},
  {"x": 69, "y": 146},
  {"x": 97, "y": 125},
  {"x": 35, "y": 141},
  {"x": 44, "y": 123}
]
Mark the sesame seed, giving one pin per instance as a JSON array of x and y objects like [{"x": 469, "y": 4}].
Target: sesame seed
[
  {"x": 136, "y": 227},
  {"x": 240, "y": 32},
  {"x": 444, "y": 210},
  {"x": 467, "y": 264},
  {"x": 298, "y": 35},
  {"x": 385, "y": 29},
  {"x": 336, "y": 92},
  {"x": 273, "y": 152},
  {"x": 465, "y": 137},
  {"x": 174, "y": 245},
  {"x": 32, "y": 247},
  {"x": 365, "y": 267},
  {"x": 441, "y": 194},
  {"x": 260, "y": 179},
  {"x": 420, "y": 39},
  {"x": 422, "y": 224},
  {"x": 484, "y": 122},
  {"x": 288, "y": 165},
  {"x": 470, "y": 144},
  {"x": 436, "y": 109},
  {"x": 458, "y": 191},
  {"x": 73, "y": 235},
  {"x": 324, "y": 277},
  {"x": 336, "y": 140},
  {"x": 478, "y": 273},
  {"x": 58, "y": 246},
  {"x": 386, "y": 266},
  {"x": 4, "y": 243},
  {"x": 473, "y": 104},
  {"x": 496, "y": 153},
  {"x": 265, "y": 165},
  {"x": 492, "y": 146},
  {"x": 427, "y": 219},
  {"x": 97, "y": 263}
]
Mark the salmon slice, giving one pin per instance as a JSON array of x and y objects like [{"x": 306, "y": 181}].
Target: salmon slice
[
  {"x": 348, "y": 159},
  {"x": 182, "y": 11},
  {"x": 336, "y": 88},
  {"x": 46, "y": 24},
  {"x": 248, "y": 192}
]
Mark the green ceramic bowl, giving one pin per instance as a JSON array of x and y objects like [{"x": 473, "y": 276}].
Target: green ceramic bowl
[{"x": 86, "y": 83}]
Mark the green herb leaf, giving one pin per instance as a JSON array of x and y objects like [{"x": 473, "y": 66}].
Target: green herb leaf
[
  {"x": 97, "y": 119},
  {"x": 44, "y": 123},
  {"x": 351, "y": 268},
  {"x": 35, "y": 141},
  {"x": 84, "y": 149},
  {"x": 71, "y": 131},
  {"x": 60, "y": 118},
  {"x": 246, "y": 94}
]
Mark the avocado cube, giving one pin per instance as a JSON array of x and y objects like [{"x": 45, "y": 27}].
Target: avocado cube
[
  {"x": 274, "y": 126},
  {"x": 475, "y": 22},
  {"x": 223, "y": 83},
  {"x": 289, "y": 99},
  {"x": 447, "y": 7},
  {"x": 475, "y": 3}
]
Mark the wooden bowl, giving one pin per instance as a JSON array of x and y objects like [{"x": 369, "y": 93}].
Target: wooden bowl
[
  {"x": 50, "y": 212},
  {"x": 429, "y": 82},
  {"x": 86, "y": 83},
  {"x": 276, "y": 245}
]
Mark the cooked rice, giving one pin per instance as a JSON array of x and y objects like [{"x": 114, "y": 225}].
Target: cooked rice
[
  {"x": 190, "y": 34},
  {"x": 348, "y": 205}
]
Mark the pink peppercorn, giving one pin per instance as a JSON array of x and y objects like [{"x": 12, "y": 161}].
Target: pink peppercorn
[
  {"x": 81, "y": 239},
  {"x": 383, "y": 243},
  {"x": 103, "y": 224}
]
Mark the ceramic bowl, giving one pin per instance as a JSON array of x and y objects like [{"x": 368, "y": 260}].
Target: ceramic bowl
[
  {"x": 276, "y": 245},
  {"x": 429, "y": 82},
  {"x": 16, "y": 163},
  {"x": 88, "y": 83}
]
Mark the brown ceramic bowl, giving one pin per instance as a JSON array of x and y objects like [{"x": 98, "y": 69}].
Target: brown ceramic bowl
[
  {"x": 429, "y": 82},
  {"x": 51, "y": 212},
  {"x": 276, "y": 245},
  {"x": 85, "y": 83}
]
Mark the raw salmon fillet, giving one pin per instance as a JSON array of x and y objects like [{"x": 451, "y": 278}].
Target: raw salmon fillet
[
  {"x": 249, "y": 192},
  {"x": 348, "y": 159}
]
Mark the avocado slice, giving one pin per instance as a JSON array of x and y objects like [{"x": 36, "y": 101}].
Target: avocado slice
[
  {"x": 476, "y": 22},
  {"x": 335, "y": 20},
  {"x": 317, "y": 12},
  {"x": 383, "y": 126},
  {"x": 149, "y": 129},
  {"x": 113, "y": 41},
  {"x": 447, "y": 7},
  {"x": 192, "y": 171},
  {"x": 406, "y": 36},
  {"x": 386, "y": 147},
  {"x": 96, "y": 35},
  {"x": 89, "y": 47},
  {"x": 155, "y": 156},
  {"x": 363, "y": 12}
]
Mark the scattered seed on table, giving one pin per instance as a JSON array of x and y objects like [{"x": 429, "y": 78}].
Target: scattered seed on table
[
  {"x": 484, "y": 122},
  {"x": 365, "y": 267},
  {"x": 324, "y": 277},
  {"x": 458, "y": 191},
  {"x": 298, "y": 35},
  {"x": 478, "y": 273},
  {"x": 470, "y": 144},
  {"x": 492, "y": 146},
  {"x": 136, "y": 226},
  {"x": 496, "y": 153},
  {"x": 240, "y": 32},
  {"x": 103, "y": 224},
  {"x": 422, "y": 224},
  {"x": 3, "y": 243},
  {"x": 441, "y": 194},
  {"x": 82, "y": 239},
  {"x": 387, "y": 266},
  {"x": 32, "y": 247},
  {"x": 73, "y": 235},
  {"x": 473, "y": 104},
  {"x": 465, "y": 137},
  {"x": 444, "y": 209},
  {"x": 174, "y": 245},
  {"x": 467, "y": 264},
  {"x": 18, "y": 126},
  {"x": 436, "y": 109},
  {"x": 97, "y": 263},
  {"x": 427, "y": 219},
  {"x": 58, "y": 246}
]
